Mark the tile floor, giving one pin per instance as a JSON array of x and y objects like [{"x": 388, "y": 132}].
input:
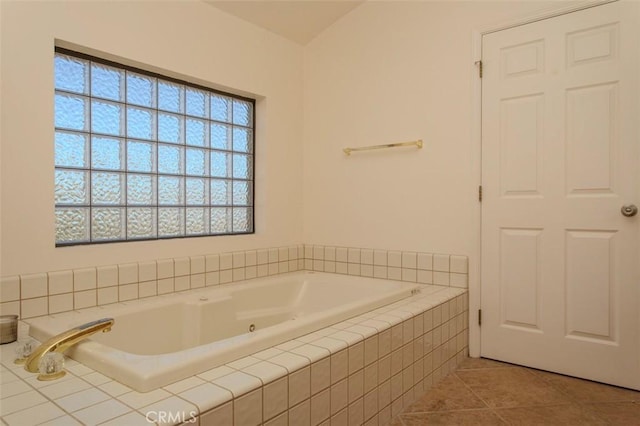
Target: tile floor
[{"x": 486, "y": 392}]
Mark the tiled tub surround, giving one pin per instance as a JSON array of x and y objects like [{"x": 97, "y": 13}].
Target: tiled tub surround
[
  {"x": 40, "y": 294},
  {"x": 361, "y": 371},
  {"x": 161, "y": 340}
]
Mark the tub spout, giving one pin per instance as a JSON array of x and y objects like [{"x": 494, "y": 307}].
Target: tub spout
[{"x": 65, "y": 340}]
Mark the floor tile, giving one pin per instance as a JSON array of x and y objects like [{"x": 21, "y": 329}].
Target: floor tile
[
  {"x": 463, "y": 418},
  {"x": 617, "y": 413},
  {"x": 510, "y": 387},
  {"x": 585, "y": 390},
  {"x": 449, "y": 394},
  {"x": 474, "y": 363},
  {"x": 572, "y": 414}
]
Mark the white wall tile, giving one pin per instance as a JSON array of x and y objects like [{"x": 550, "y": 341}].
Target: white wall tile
[
  {"x": 107, "y": 275},
  {"x": 273, "y": 255},
  {"x": 353, "y": 255},
  {"x": 300, "y": 414},
  {"x": 212, "y": 278},
  {"x": 293, "y": 253},
  {"x": 380, "y": 257},
  {"x": 283, "y": 267},
  {"x": 182, "y": 283},
  {"x": 238, "y": 383},
  {"x": 459, "y": 264},
  {"x": 263, "y": 257},
  {"x": 380, "y": 272},
  {"x": 251, "y": 272},
  {"x": 147, "y": 271},
  {"x": 251, "y": 258},
  {"x": 9, "y": 289},
  {"x": 370, "y": 377},
  {"x": 366, "y": 256},
  {"x": 238, "y": 274},
  {"x": 84, "y": 299},
  {"x": 330, "y": 254},
  {"x": 182, "y": 266},
  {"x": 339, "y": 396},
  {"x": 342, "y": 254},
  {"x": 247, "y": 410},
  {"x": 212, "y": 263},
  {"x": 441, "y": 262},
  {"x": 127, "y": 292},
  {"x": 371, "y": 349},
  {"x": 356, "y": 357},
  {"x": 299, "y": 386},
  {"x": 147, "y": 289},
  {"x": 33, "y": 285},
  {"x": 353, "y": 269},
  {"x": 308, "y": 251},
  {"x": 263, "y": 270},
  {"x": 320, "y": 407},
  {"x": 238, "y": 259},
  {"x": 165, "y": 285},
  {"x": 165, "y": 268},
  {"x": 425, "y": 261},
  {"x": 394, "y": 258},
  {"x": 275, "y": 398},
  {"x": 370, "y": 407},
  {"x": 356, "y": 385},
  {"x": 60, "y": 303},
  {"x": 340, "y": 419},
  {"x": 226, "y": 261},
  {"x": 220, "y": 416},
  {"x": 281, "y": 420},
  {"x": 409, "y": 275},
  {"x": 440, "y": 278},
  {"x": 409, "y": 260},
  {"x": 107, "y": 295},
  {"x": 283, "y": 254},
  {"x": 320, "y": 375},
  {"x": 34, "y": 307},
  {"x": 425, "y": 277},
  {"x": 127, "y": 273},
  {"x": 339, "y": 365},
  {"x": 60, "y": 282},
  {"x": 356, "y": 412},
  {"x": 197, "y": 265},
  {"x": 206, "y": 396},
  {"x": 197, "y": 280},
  {"x": 458, "y": 280},
  {"x": 394, "y": 273}
]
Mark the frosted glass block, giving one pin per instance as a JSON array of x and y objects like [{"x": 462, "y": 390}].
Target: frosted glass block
[
  {"x": 141, "y": 156},
  {"x": 72, "y": 225},
  {"x": 141, "y": 223},
  {"x": 170, "y": 159},
  {"x": 220, "y": 220},
  {"x": 197, "y": 221},
  {"x": 107, "y": 153},
  {"x": 170, "y": 222},
  {"x": 242, "y": 166},
  {"x": 170, "y": 128},
  {"x": 242, "y": 139},
  {"x": 71, "y": 74},
  {"x": 196, "y": 132},
  {"x": 72, "y": 150},
  {"x": 196, "y": 163},
  {"x": 220, "y": 136},
  {"x": 71, "y": 187},
  {"x": 196, "y": 191},
  {"x": 170, "y": 96},
  {"x": 107, "y": 82},
  {"x": 241, "y": 193},
  {"x": 220, "y": 164},
  {"x": 220, "y": 108},
  {"x": 220, "y": 192},
  {"x": 242, "y": 113},
  {"x": 141, "y": 123},
  {"x": 170, "y": 190},
  {"x": 197, "y": 101},
  {"x": 242, "y": 220},
  {"x": 71, "y": 112},
  {"x": 107, "y": 224},
  {"x": 107, "y": 188},
  {"x": 141, "y": 189},
  {"x": 141, "y": 90},
  {"x": 107, "y": 118}
]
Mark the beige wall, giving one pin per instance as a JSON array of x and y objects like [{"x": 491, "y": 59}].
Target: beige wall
[
  {"x": 393, "y": 72},
  {"x": 182, "y": 38}
]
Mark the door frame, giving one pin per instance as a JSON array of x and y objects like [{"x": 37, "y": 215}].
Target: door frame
[{"x": 475, "y": 286}]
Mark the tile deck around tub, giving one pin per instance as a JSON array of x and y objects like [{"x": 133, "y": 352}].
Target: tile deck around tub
[{"x": 364, "y": 370}]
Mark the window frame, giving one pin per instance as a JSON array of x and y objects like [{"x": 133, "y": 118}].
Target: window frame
[{"x": 156, "y": 144}]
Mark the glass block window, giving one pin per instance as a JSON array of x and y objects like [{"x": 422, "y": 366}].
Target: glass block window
[{"x": 140, "y": 156}]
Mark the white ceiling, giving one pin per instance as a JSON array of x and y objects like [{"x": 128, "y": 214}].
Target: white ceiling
[{"x": 299, "y": 21}]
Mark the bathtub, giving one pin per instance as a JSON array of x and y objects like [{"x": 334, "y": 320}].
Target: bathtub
[{"x": 157, "y": 341}]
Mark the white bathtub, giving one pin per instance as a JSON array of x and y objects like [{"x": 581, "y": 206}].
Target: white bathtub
[{"x": 157, "y": 341}]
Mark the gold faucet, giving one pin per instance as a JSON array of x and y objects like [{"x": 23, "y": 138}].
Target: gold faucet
[{"x": 65, "y": 340}]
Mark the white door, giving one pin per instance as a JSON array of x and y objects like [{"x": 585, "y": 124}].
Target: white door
[{"x": 560, "y": 157}]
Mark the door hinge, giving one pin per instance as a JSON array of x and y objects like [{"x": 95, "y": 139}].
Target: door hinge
[
  {"x": 479, "y": 64},
  {"x": 480, "y": 193},
  {"x": 479, "y": 316}
]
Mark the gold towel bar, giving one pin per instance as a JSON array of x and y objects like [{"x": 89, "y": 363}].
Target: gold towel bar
[{"x": 417, "y": 143}]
